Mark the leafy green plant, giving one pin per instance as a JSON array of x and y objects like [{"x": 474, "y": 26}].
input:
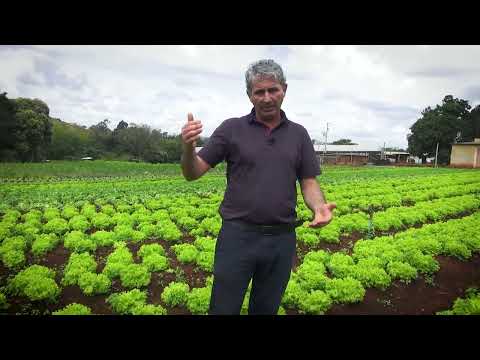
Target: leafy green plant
[
  {"x": 93, "y": 284},
  {"x": 205, "y": 243},
  {"x": 149, "y": 249},
  {"x": 117, "y": 261},
  {"x": 36, "y": 283},
  {"x": 470, "y": 305},
  {"x": 12, "y": 252},
  {"x": 293, "y": 293},
  {"x": 315, "y": 303},
  {"x": 78, "y": 264},
  {"x": 340, "y": 265},
  {"x": 175, "y": 294},
  {"x": 79, "y": 242},
  {"x": 69, "y": 211},
  {"x": 402, "y": 271},
  {"x": 149, "y": 309},
  {"x": 74, "y": 309},
  {"x": 186, "y": 253},
  {"x": 44, "y": 243},
  {"x": 3, "y": 302},
  {"x": 126, "y": 302},
  {"x": 198, "y": 300},
  {"x": 311, "y": 276},
  {"x": 205, "y": 260},
  {"x": 56, "y": 225},
  {"x": 51, "y": 213},
  {"x": 346, "y": 290},
  {"x": 134, "y": 276},
  {"x": 155, "y": 262},
  {"x": 103, "y": 238},
  {"x": 79, "y": 223},
  {"x": 102, "y": 221}
]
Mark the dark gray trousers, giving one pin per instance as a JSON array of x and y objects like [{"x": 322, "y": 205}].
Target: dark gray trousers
[{"x": 243, "y": 255}]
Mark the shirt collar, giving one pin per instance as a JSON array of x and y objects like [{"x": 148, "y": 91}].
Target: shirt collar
[{"x": 283, "y": 118}]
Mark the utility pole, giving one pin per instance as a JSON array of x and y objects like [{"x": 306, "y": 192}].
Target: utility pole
[
  {"x": 326, "y": 139},
  {"x": 436, "y": 155},
  {"x": 325, "y": 134}
]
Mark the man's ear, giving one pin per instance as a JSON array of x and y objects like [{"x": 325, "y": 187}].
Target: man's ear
[
  {"x": 285, "y": 88},
  {"x": 249, "y": 98}
]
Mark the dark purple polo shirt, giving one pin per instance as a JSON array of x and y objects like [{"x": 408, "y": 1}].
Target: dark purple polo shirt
[{"x": 262, "y": 167}]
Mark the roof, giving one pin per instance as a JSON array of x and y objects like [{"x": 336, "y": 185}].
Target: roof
[
  {"x": 476, "y": 141},
  {"x": 468, "y": 143},
  {"x": 347, "y": 148},
  {"x": 396, "y": 153},
  {"x": 343, "y": 148}
]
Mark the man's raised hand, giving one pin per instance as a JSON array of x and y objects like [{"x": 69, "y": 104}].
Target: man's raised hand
[{"x": 191, "y": 131}]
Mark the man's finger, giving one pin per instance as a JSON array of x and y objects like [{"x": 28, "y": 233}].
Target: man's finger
[
  {"x": 331, "y": 206},
  {"x": 190, "y": 117},
  {"x": 192, "y": 133},
  {"x": 189, "y": 127}
]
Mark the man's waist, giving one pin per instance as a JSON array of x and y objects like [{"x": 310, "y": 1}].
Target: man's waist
[{"x": 265, "y": 228}]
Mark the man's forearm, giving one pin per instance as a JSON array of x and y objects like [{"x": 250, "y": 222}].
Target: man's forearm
[
  {"x": 190, "y": 164},
  {"x": 313, "y": 195}
]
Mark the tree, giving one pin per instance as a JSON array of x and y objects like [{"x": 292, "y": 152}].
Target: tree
[
  {"x": 446, "y": 124},
  {"x": 70, "y": 141},
  {"x": 33, "y": 134},
  {"x": 343, "y": 142},
  {"x": 7, "y": 128},
  {"x": 395, "y": 149},
  {"x": 102, "y": 136},
  {"x": 474, "y": 122},
  {"x": 36, "y": 105}
]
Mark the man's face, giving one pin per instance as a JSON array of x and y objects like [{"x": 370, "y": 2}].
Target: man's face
[{"x": 267, "y": 97}]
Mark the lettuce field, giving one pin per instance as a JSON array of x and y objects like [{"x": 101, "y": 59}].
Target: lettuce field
[{"x": 126, "y": 238}]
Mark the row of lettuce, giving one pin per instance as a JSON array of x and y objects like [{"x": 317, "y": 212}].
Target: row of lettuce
[
  {"x": 321, "y": 280},
  {"x": 324, "y": 279},
  {"x": 85, "y": 228}
]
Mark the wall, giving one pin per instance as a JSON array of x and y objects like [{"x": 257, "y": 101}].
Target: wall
[{"x": 464, "y": 156}]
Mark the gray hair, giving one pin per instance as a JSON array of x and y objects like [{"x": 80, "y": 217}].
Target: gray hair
[{"x": 264, "y": 69}]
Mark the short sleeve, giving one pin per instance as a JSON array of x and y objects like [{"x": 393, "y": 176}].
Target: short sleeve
[
  {"x": 309, "y": 164},
  {"x": 216, "y": 148}
]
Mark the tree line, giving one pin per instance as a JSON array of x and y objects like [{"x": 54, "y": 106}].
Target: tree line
[{"x": 29, "y": 134}]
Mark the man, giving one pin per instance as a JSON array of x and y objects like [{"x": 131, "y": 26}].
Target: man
[{"x": 266, "y": 154}]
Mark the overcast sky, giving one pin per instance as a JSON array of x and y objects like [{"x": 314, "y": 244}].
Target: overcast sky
[{"x": 370, "y": 94}]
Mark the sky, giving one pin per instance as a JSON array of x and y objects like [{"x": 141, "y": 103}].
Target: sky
[{"x": 370, "y": 94}]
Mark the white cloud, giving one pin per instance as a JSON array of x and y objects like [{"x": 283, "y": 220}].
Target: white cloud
[{"x": 371, "y": 94}]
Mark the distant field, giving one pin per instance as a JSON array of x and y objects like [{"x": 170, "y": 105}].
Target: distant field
[{"x": 132, "y": 238}]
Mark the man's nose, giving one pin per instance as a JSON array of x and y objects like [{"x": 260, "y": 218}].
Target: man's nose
[{"x": 267, "y": 98}]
